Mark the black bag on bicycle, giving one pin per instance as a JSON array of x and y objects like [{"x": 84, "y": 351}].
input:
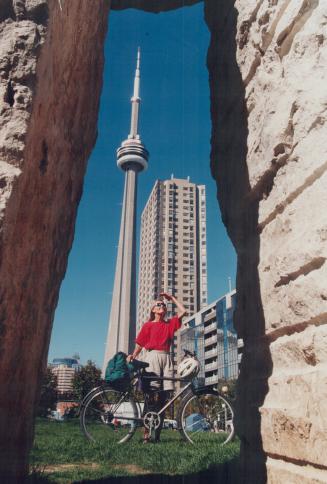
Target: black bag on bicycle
[{"x": 118, "y": 372}]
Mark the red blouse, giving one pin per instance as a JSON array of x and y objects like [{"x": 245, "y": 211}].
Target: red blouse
[{"x": 158, "y": 335}]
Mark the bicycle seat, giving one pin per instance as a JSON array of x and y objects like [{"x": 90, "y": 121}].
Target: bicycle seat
[{"x": 139, "y": 365}]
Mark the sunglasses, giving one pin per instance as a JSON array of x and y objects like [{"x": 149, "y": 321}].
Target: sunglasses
[{"x": 160, "y": 305}]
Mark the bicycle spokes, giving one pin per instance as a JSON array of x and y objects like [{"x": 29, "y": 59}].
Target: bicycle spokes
[
  {"x": 108, "y": 416},
  {"x": 206, "y": 417}
]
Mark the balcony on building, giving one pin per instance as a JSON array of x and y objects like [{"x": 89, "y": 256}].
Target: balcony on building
[
  {"x": 210, "y": 353},
  {"x": 212, "y": 379},
  {"x": 211, "y": 340},
  {"x": 210, "y": 328},
  {"x": 211, "y": 366}
]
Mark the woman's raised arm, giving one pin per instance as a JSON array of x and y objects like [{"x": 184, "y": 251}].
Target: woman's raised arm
[{"x": 181, "y": 311}]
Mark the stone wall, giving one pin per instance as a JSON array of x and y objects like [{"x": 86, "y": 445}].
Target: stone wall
[
  {"x": 51, "y": 63},
  {"x": 268, "y": 71}
]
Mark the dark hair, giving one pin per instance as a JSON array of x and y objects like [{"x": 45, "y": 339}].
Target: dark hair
[{"x": 151, "y": 316}]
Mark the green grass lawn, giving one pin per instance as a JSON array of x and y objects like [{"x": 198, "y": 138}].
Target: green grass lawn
[{"x": 62, "y": 454}]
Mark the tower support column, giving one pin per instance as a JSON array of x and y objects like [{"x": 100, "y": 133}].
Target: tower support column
[{"x": 121, "y": 336}]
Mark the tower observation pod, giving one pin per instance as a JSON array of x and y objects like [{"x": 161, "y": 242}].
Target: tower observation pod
[
  {"x": 132, "y": 153},
  {"x": 132, "y": 158}
]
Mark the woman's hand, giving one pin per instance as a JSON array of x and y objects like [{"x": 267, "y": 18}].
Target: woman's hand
[
  {"x": 181, "y": 310},
  {"x": 135, "y": 353}
]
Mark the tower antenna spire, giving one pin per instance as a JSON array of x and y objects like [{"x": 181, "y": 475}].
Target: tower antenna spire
[{"x": 135, "y": 100}]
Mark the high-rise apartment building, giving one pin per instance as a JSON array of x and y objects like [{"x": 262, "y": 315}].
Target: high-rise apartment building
[
  {"x": 64, "y": 369},
  {"x": 173, "y": 252},
  {"x": 211, "y": 334}
]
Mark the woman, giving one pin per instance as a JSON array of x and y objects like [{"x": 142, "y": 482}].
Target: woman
[{"x": 156, "y": 336}]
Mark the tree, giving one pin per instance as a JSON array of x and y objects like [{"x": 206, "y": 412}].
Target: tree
[
  {"x": 67, "y": 396},
  {"x": 48, "y": 397},
  {"x": 88, "y": 377}
]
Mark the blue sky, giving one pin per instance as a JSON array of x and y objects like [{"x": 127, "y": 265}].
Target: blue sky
[{"x": 175, "y": 128}]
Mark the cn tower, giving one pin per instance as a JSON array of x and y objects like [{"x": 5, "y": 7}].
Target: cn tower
[{"x": 132, "y": 158}]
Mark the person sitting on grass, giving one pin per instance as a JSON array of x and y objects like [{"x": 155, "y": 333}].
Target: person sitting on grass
[{"x": 156, "y": 336}]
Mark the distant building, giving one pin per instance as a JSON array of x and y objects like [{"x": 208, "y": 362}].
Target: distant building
[
  {"x": 212, "y": 336},
  {"x": 64, "y": 369},
  {"x": 173, "y": 248},
  {"x": 70, "y": 362}
]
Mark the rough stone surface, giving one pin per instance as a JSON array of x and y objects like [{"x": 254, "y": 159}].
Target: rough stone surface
[
  {"x": 294, "y": 415},
  {"x": 49, "y": 99},
  {"x": 293, "y": 279},
  {"x": 268, "y": 71},
  {"x": 288, "y": 473},
  {"x": 19, "y": 46}
]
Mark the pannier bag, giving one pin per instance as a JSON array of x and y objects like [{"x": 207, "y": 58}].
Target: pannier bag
[{"x": 119, "y": 372}]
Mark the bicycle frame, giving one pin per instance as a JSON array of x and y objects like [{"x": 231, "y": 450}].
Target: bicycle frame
[
  {"x": 183, "y": 390},
  {"x": 125, "y": 394}
]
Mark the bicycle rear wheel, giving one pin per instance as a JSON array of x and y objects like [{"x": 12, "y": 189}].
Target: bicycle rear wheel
[
  {"x": 108, "y": 415},
  {"x": 206, "y": 417}
]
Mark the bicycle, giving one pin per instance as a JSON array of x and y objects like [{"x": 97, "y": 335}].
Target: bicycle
[{"x": 110, "y": 414}]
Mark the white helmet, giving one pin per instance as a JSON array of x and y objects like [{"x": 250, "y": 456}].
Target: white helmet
[{"x": 188, "y": 367}]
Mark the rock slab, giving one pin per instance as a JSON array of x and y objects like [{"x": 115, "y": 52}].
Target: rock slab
[
  {"x": 51, "y": 63},
  {"x": 268, "y": 72}
]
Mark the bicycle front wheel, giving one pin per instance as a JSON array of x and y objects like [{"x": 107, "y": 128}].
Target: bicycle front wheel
[
  {"x": 108, "y": 415},
  {"x": 206, "y": 417}
]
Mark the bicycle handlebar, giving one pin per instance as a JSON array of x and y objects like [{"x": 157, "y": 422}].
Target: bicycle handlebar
[{"x": 139, "y": 365}]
